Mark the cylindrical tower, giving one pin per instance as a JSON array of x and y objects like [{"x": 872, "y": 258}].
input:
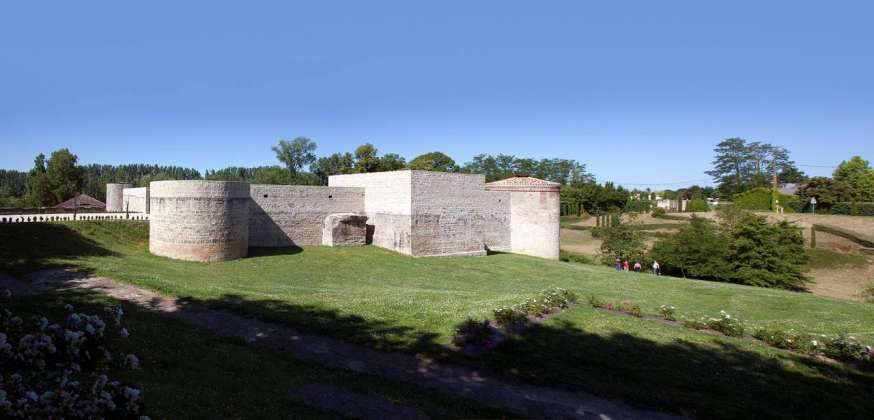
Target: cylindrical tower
[
  {"x": 535, "y": 210},
  {"x": 115, "y": 196},
  {"x": 199, "y": 220}
]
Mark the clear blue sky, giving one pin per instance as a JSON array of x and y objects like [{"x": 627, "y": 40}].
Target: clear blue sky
[{"x": 638, "y": 91}]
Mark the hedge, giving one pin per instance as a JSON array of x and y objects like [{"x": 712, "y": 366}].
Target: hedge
[
  {"x": 862, "y": 240},
  {"x": 760, "y": 199},
  {"x": 853, "y": 209}
]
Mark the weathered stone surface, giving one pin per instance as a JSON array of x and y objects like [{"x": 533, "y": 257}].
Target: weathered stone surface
[
  {"x": 294, "y": 215},
  {"x": 345, "y": 229},
  {"x": 136, "y": 200},
  {"x": 534, "y": 215},
  {"x": 115, "y": 197},
  {"x": 199, "y": 220}
]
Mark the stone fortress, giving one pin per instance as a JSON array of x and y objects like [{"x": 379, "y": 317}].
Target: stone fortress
[{"x": 417, "y": 213}]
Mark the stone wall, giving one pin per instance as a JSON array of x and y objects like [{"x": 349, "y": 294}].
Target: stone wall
[
  {"x": 387, "y": 204},
  {"x": 289, "y": 215},
  {"x": 448, "y": 214},
  {"x": 496, "y": 221},
  {"x": 199, "y": 220},
  {"x": 115, "y": 197},
  {"x": 534, "y": 217},
  {"x": 136, "y": 200}
]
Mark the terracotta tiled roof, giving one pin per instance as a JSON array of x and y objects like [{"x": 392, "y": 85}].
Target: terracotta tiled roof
[
  {"x": 523, "y": 183},
  {"x": 85, "y": 202}
]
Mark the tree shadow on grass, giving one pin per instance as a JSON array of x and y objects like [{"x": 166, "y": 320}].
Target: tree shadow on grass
[
  {"x": 714, "y": 380},
  {"x": 379, "y": 334},
  {"x": 29, "y": 247}
]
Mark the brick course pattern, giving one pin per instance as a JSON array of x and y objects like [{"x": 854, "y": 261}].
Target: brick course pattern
[
  {"x": 387, "y": 205},
  {"x": 294, "y": 215},
  {"x": 199, "y": 220},
  {"x": 136, "y": 200},
  {"x": 115, "y": 197}
]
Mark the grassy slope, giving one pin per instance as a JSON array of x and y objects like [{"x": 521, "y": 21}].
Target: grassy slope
[
  {"x": 192, "y": 373},
  {"x": 378, "y": 296},
  {"x": 386, "y": 299}
]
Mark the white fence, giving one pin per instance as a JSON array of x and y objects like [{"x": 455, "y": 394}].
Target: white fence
[{"x": 60, "y": 217}]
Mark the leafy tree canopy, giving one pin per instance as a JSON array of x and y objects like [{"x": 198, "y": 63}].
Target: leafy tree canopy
[
  {"x": 296, "y": 154},
  {"x": 433, "y": 161}
]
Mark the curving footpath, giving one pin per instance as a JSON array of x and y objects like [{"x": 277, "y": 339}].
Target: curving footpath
[{"x": 522, "y": 399}]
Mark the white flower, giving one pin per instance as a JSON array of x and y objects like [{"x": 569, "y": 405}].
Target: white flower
[{"x": 124, "y": 333}]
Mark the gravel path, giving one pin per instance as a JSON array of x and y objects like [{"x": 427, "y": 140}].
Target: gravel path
[{"x": 522, "y": 399}]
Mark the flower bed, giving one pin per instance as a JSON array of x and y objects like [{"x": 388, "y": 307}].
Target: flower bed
[
  {"x": 476, "y": 335},
  {"x": 841, "y": 347}
]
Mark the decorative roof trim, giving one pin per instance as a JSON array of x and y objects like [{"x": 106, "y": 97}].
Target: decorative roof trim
[{"x": 523, "y": 184}]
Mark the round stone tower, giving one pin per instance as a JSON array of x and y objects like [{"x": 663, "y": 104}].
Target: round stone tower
[
  {"x": 535, "y": 211},
  {"x": 115, "y": 197},
  {"x": 199, "y": 220}
]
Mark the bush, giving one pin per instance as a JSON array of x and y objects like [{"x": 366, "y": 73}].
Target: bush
[
  {"x": 635, "y": 311},
  {"x": 52, "y": 370},
  {"x": 760, "y": 199},
  {"x": 698, "y": 205},
  {"x": 595, "y": 302},
  {"x": 473, "y": 332},
  {"x": 574, "y": 258},
  {"x": 695, "y": 324},
  {"x": 659, "y": 212},
  {"x": 844, "y": 347},
  {"x": 790, "y": 340},
  {"x": 853, "y": 209},
  {"x": 868, "y": 293},
  {"x": 558, "y": 298},
  {"x": 511, "y": 318},
  {"x": 727, "y": 325},
  {"x": 667, "y": 312}
]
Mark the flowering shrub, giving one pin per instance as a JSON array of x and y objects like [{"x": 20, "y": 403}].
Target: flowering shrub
[
  {"x": 790, "y": 340},
  {"x": 845, "y": 347},
  {"x": 635, "y": 311},
  {"x": 510, "y": 318},
  {"x": 727, "y": 325},
  {"x": 556, "y": 297},
  {"x": 473, "y": 332},
  {"x": 52, "y": 370},
  {"x": 535, "y": 307},
  {"x": 696, "y": 324},
  {"x": 667, "y": 312}
]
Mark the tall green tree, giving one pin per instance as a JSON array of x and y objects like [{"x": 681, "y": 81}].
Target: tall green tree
[
  {"x": 65, "y": 178},
  {"x": 39, "y": 191},
  {"x": 335, "y": 164},
  {"x": 296, "y": 154},
  {"x": 366, "y": 159},
  {"x": 623, "y": 241},
  {"x": 434, "y": 161},
  {"x": 391, "y": 162},
  {"x": 739, "y": 166},
  {"x": 859, "y": 175}
]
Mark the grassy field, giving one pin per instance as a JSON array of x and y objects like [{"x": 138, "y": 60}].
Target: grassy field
[
  {"x": 388, "y": 300},
  {"x": 192, "y": 373}
]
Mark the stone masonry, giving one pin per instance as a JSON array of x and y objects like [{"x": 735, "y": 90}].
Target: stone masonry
[
  {"x": 136, "y": 200},
  {"x": 345, "y": 229},
  {"x": 115, "y": 197},
  {"x": 417, "y": 213}
]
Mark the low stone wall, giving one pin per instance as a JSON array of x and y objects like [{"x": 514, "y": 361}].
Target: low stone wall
[
  {"x": 66, "y": 217},
  {"x": 289, "y": 215},
  {"x": 387, "y": 204},
  {"x": 136, "y": 200}
]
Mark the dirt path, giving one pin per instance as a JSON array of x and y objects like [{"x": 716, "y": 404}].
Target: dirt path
[{"x": 522, "y": 399}]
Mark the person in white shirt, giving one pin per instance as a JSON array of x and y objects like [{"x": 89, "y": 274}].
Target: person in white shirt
[{"x": 656, "y": 268}]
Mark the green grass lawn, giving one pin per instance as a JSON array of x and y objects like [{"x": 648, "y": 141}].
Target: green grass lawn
[
  {"x": 192, "y": 373},
  {"x": 823, "y": 258},
  {"x": 388, "y": 300}
]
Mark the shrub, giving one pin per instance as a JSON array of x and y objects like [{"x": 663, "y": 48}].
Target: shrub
[
  {"x": 52, "y": 370},
  {"x": 698, "y": 205},
  {"x": 853, "y": 209},
  {"x": 790, "y": 340},
  {"x": 473, "y": 332},
  {"x": 659, "y": 212},
  {"x": 695, "y": 324},
  {"x": 535, "y": 307},
  {"x": 844, "y": 347},
  {"x": 727, "y": 325},
  {"x": 510, "y": 318},
  {"x": 635, "y": 311},
  {"x": 595, "y": 302},
  {"x": 558, "y": 298},
  {"x": 760, "y": 199},
  {"x": 667, "y": 312},
  {"x": 574, "y": 258}
]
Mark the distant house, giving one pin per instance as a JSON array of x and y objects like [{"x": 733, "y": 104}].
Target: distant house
[
  {"x": 82, "y": 202},
  {"x": 788, "y": 189}
]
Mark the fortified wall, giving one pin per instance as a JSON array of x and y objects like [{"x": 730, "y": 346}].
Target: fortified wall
[
  {"x": 416, "y": 213},
  {"x": 135, "y": 200},
  {"x": 115, "y": 197}
]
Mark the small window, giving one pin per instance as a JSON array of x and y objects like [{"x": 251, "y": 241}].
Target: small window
[
  {"x": 330, "y": 196},
  {"x": 265, "y": 195}
]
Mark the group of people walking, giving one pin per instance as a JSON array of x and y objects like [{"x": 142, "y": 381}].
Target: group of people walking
[{"x": 637, "y": 267}]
